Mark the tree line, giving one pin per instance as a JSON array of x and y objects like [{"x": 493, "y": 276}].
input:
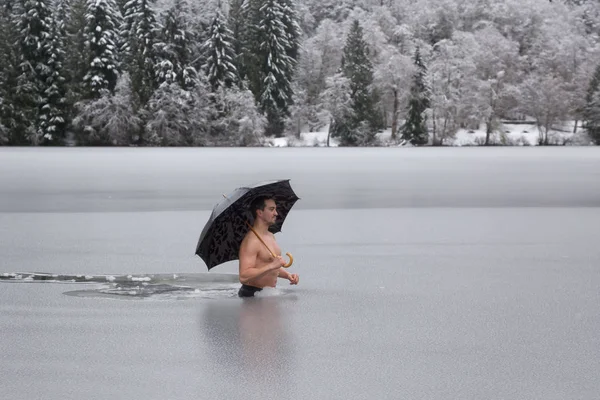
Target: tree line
[{"x": 134, "y": 73}]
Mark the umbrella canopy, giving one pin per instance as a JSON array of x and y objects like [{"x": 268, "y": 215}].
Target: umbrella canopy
[{"x": 226, "y": 227}]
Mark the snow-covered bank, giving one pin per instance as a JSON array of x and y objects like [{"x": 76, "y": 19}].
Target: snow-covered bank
[{"x": 510, "y": 134}]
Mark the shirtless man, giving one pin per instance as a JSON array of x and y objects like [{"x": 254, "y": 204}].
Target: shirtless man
[{"x": 258, "y": 268}]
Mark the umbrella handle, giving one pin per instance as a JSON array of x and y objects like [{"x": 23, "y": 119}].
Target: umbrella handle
[{"x": 289, "y": 262}]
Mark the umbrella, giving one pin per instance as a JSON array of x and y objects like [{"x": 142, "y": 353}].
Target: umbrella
[{"x": 231, "y": 218}]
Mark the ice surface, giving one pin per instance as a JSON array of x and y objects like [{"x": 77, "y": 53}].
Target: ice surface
[{"x": 440, "y": 274}]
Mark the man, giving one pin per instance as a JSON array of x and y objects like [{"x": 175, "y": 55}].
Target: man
[{"x": 258, "y": 269}]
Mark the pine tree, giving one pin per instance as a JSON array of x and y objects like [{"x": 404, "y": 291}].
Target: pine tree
[
  {"x": 292, "y": 28},
  {"x": 175, "y": 48},
  {"x": 357, "y": 67},
  {"x": 415, "y": 127},
  {"x": 269, "y": 51},
  {"x": 249, "y": 40},
  {"x": 139, "y": 31},
  {"x": 12, "y": 121},
  {"x": 220, "y": 67},
  {"x": 101, "y": 36},
  {"x": 55, "y": 108},
  {"x": 277, "y": 66},
  {"x": 236, "y": 24},
  {"x": 76, "y": 62},
  {"x": 591, "y": 114},
  {"x": 38, "y": 85}
]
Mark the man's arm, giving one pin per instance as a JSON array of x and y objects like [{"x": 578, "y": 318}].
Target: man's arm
[
  {"x": 293, "y": 278},
  {"x": 248, "y": 270},
  {"x": 283, "y": 274}
]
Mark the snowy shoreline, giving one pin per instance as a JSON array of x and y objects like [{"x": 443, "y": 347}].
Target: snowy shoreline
[{"x": 518, "y": 134}]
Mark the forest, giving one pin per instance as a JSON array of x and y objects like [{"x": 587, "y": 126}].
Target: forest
[{"x": 231, "y": 73}]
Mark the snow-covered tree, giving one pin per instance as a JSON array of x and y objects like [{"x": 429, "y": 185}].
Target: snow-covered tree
[
  {"x": 277, "y": 48},
  {"x": 101, "y": 37},
  {"x": 220, "y": 56},
  {"x": 337, "y": 103},
  {"x": 393, "y": 77},
  {"x": 40, "y": 82},
  {"x": 249, "y": 38},
  {"x": 109, "y": 119},
  {"x": 592, "y": 118},
  {"x": 178, "y": 117},
  {"x": 448, "y": 71},
  {"x": 543, "y": 98},
  {"x": 591, "y": 113},
  {"x": 270, "y": 44},
  {"x": 139, "y": 33},
  {"x": 54, "y": 127},
  {"x": 496, "y": 60},
  {"x": 237, "y": 26},
  {"x": 289, "y": 19},
  {"x": 76, "y": 56},
  {"x": 174, "y": 49},
  {"x": 4, "y": 134},
  {"x": 357, "y": 67},
  {"x": 336, "y": 10},
  {"x": 11, "y": 118},
  {"x": 373, "y": 35},
  {"x": 240, "y": 121},
  {"x": 320, "y": 57},
  {"x": 415, "y": 128}
]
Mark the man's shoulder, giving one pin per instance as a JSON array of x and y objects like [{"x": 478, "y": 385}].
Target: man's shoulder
[{"x": 249, "y": 241}]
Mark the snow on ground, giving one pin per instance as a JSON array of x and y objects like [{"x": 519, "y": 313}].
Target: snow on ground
[{"x": 523, "y": 133}]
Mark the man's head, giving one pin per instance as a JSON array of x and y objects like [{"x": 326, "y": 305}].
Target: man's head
[{"x": 265, "y": 209}]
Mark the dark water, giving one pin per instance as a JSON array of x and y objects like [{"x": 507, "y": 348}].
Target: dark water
[{"x": 424, "y": 274}]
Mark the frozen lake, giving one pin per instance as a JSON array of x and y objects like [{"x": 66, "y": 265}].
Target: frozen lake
[{"x": 459, "y": 273}]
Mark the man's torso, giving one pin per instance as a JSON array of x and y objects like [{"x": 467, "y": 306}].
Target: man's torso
[{"x": 263, "y": 258}]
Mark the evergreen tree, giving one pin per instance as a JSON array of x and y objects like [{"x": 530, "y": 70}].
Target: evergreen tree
[
  {"x": 12, "y": 121},
  {"x": 4, "y": 133},
  {"x": 55, "y": 108},
  {"x": 249, "y": 41},
  {"x": 174, "y": 50},
  {"x": 101, "y": 36},
  {"x": 236, "y": 24},
  {"x": 277, "y": 65},
  {"x": 292, "y": 28},
  {"x": 591, "y": 114},
  {"x": 139, "y": 31},
  {"x": 270, "y": 43},
  {"x": 220, "y": 67},
  {"x": 357, "y": 67},
  {"x": 415, "y": 127},
  {"x": 63, "y": 16},
  {"x": 38, "y": 86},
  {"x": 76, "y": 62}
]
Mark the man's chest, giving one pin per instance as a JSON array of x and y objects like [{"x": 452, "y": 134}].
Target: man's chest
[{"x": 264, "y": 254}]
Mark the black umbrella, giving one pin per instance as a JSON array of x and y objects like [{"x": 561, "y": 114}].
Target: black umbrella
[{"x": 231, "y": 218}]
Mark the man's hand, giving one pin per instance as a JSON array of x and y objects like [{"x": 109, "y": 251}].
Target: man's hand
[{"x": 294, "y": 278}]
